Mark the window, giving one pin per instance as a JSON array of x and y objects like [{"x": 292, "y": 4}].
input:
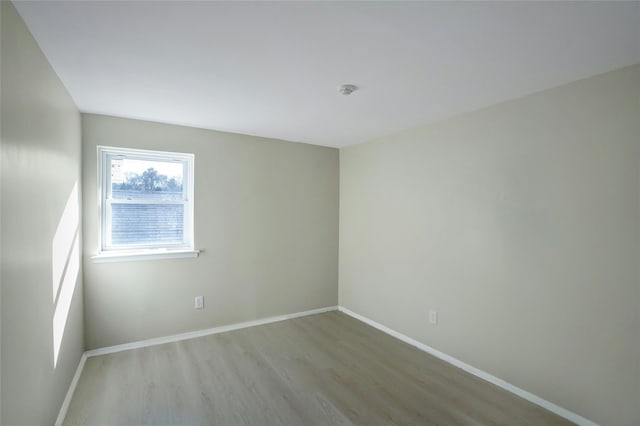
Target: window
[{"x": 146, "y": 203}]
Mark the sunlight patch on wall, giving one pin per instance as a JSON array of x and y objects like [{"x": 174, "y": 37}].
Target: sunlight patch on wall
[
  {"x": 65, "y": 267},
  {"x": 63, "y": 239}
]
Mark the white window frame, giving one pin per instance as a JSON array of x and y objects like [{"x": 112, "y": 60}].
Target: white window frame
[{"x": 110, "y": 252}]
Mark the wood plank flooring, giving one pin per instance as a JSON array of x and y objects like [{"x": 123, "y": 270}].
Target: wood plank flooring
[{"x": 325, "y": 369}]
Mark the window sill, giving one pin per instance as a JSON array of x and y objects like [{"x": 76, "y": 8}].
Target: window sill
[{"x": 143, "y": 255}]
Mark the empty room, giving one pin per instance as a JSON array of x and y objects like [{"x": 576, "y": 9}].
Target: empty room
[{"x": 320, "y": 213}]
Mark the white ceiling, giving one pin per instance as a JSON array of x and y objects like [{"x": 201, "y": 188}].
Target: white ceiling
[{"x": 274, "y": 68}]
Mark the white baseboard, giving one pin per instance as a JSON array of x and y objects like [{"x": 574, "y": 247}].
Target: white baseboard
[
  {"x": 72, "y": 388},
  {"x": 569, "y": 415},
  {"x": 206, "y": 332},
  {"x": 563, "y": 412}
]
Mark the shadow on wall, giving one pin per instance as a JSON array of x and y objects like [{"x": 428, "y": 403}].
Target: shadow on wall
[{"x": 65, "y": 261}]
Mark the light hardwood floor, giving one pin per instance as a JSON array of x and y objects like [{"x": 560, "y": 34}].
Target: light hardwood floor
[{"x": 325, "y": 369}]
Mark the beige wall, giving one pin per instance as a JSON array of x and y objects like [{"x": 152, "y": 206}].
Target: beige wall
[
  {"x": 266, "y": 220},
  {"x": 520, "y": 225},
  {"x": 40, "y": 166}
]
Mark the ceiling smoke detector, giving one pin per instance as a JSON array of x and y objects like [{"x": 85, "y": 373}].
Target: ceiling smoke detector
[{"x": 347, "y": 89}]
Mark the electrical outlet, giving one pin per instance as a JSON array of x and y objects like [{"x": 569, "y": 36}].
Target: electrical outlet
[
  {"x": 433, "y": 317},
  {"x": 199, "y": 302}
]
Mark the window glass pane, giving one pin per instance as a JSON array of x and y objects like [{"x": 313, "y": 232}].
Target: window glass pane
[
  {"x": 146, "y": 179},
  {"x": 146, "y": 223}
]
